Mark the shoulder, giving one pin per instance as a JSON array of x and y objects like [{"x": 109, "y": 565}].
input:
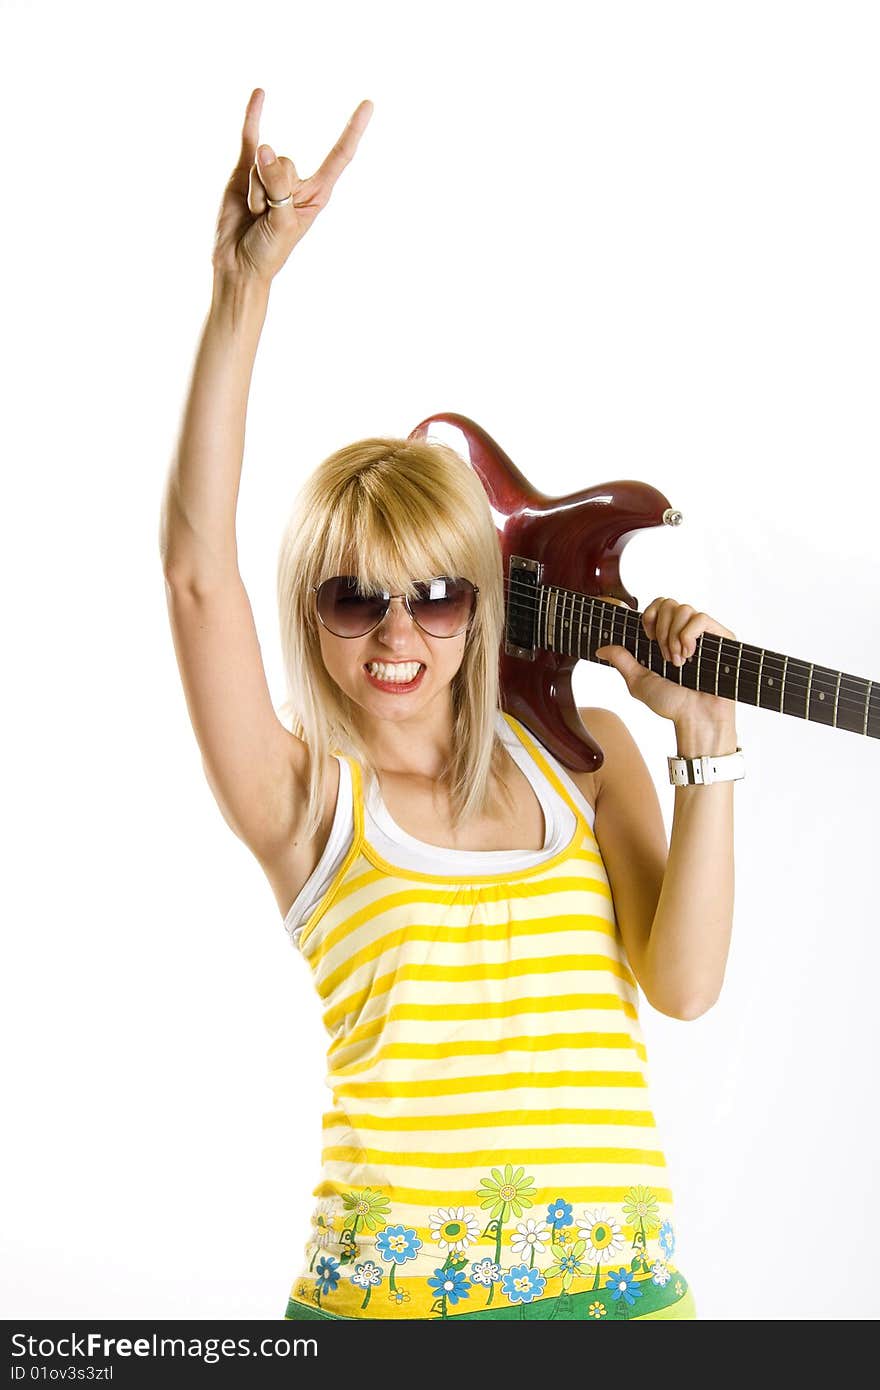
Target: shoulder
[
  {"x": 613, "y": 737},
  {"x": 629, "y": 819}
]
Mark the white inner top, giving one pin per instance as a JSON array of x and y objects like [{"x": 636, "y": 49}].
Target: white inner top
[{"x": 393, "y": 843}]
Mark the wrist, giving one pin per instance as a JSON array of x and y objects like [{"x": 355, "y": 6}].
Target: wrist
[
  {"x": 697, "y": 740},
  {"x": 238, "y": 299}
]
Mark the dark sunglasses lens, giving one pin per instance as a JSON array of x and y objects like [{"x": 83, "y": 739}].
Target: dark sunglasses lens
[
  {"x": 443, "y": 607},
  {"x": 346, "y": 612}
]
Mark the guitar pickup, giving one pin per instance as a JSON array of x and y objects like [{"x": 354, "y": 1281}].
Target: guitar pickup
[{"x": 520, "y": 633}]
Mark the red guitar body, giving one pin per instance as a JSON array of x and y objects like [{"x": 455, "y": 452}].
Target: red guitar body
[{"x": 578, "y": 539}]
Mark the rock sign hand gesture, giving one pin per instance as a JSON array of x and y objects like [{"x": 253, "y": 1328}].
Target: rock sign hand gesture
[{"x": 253, "y": 241}]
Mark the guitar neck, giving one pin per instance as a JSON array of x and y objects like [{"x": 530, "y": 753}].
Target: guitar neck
[{"x": 575, "y": 625}]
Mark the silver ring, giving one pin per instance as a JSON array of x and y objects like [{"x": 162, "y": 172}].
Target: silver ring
[{"x": 282, "y": 203}]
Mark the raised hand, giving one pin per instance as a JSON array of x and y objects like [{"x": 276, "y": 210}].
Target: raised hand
[{"x": 253, "y": 241}]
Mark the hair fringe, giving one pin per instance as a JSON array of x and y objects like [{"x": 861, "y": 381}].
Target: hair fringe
[{"x": 398, "y": 509}]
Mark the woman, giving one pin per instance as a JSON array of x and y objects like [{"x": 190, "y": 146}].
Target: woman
[{"x": 478, "y": 918}]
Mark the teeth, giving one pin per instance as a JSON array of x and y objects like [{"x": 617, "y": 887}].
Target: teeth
[{"x": 401, "y": 671}]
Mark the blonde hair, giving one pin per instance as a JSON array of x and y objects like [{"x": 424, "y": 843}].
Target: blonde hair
[{"x": 398, "y": 510}]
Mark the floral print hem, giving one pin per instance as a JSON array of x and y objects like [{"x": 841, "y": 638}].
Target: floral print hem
[
  {"x": 564, "y": 1262},
  {"x": 599, "y": 1305}
]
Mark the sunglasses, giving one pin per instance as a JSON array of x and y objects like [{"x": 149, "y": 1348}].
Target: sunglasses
[{"x": 441, "y": 607}]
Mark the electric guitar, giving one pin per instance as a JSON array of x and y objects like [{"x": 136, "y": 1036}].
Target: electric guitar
[{"x": 559, "y": 555}]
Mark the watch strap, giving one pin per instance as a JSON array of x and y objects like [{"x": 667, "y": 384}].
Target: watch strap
[{"x": 725, "y": 767}]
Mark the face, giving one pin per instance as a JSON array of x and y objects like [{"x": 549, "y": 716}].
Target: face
[{"x": 372, "y": 670}]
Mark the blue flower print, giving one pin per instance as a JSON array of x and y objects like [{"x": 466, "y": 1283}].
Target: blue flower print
[
  {"x": 398, "y": 1243},
  {"x": 522, "y": 1284},
  {"x": 559, "y": 1213},
  {"x": 450, "y": 1283},
  {"x": 485, "y": 1272},
  {"x": 366, "y": 1274},
  {"x": 622, "y": 1283},
  {"x": 666, "y": 1239},
  {"x": 327, "y": 1274}
]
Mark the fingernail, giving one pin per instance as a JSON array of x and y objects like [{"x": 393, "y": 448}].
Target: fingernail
[{"x": 266, "y": 154}]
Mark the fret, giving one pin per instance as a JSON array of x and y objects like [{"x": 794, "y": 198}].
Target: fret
[
  {"x": 738, "y": 665},
  {"x": 618, "y": 618},
  {"x": 768, "y": 677},
  {"x": 745, "y": 671},
  {"x": 794, "y": 692},
  {"x": 823, "y": 681},
  {"x": 849, "y": 707},
  {"x": 726, "y": 667},
  {"x": 872, "y": 722},
  {"x": 712, "y": 679},
  {"x": 619, "y": 612},
  {"x": 655, "y": 658},
  {"x": 718, "y": 645},
  {"x": 722, "y": 670},
  {"x": 823, "y": 705},
  {"x": 607, "y": 637}
]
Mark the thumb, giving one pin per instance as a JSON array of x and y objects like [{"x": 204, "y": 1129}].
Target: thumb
[{"x": 622, "y": 660}]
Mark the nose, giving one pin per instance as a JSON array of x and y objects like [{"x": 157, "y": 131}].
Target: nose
[{"x": 399, "y": 625}]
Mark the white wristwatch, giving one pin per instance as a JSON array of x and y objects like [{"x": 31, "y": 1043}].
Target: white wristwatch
[{"x": 727, "y": 767}]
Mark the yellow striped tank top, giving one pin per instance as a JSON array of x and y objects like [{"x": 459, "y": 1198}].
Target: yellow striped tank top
[{"x": 491, "y": 1150}]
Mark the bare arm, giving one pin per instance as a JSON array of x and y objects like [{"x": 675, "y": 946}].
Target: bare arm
[
  {"x": 676, "y": 924},
  {"x": 197, "y": 525},
  {"x": 687, "y": 951},
  {"x": 674, "y": 907},
  {"x": 255, "y": 767}
]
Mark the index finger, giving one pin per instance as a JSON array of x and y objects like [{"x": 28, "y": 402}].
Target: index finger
[
  {"x": 343, "y": 151},
  {"x": 250, "y": 131}
]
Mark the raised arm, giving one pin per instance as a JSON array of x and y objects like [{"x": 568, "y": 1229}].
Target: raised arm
[{"x": 255, "y": 767}]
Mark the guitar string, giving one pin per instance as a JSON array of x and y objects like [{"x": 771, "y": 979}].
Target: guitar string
[
  {"x": 746, "y": 662},
  {"x": 794, "y": 678},
  {"x": 824, "y": 679}
]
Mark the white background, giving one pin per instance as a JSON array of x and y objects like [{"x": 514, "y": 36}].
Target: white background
[{"x": 631, "y": 241}]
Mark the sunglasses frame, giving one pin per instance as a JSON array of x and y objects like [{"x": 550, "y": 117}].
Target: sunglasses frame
[{"x": 388, "y": 598}]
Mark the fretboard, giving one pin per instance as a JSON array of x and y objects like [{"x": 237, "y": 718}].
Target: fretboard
[{"x": 575, "y": 624}]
